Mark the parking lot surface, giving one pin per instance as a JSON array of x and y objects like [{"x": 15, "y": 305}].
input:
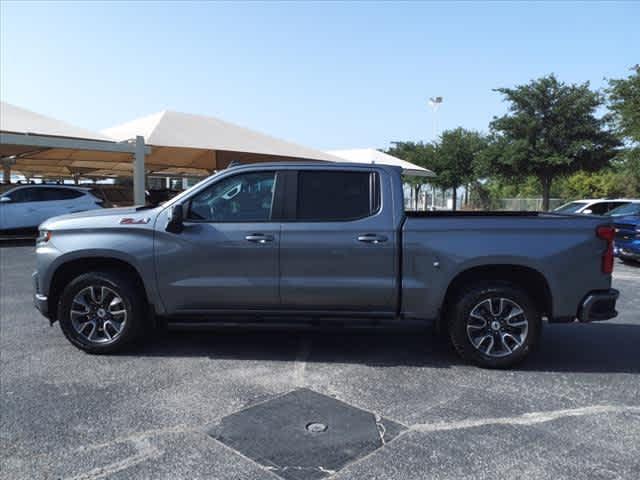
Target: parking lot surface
[{"x": 169, "y": 408}]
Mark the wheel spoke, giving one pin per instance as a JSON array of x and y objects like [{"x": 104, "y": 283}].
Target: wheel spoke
[
  {"x": 83, "y": 329},
  {"x": 517, "y": 324},
  {"x": 513, "y": 338},
  {"x": 477, "y": 327},
  {"x": 504, "y": 343}
]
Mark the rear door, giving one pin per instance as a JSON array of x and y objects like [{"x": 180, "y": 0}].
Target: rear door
[{"x": 338, "y": 245}]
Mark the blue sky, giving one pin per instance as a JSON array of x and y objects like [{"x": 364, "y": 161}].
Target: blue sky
[{"x": 327, "y": 75}]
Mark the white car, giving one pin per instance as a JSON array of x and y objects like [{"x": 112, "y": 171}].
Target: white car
[
  {"x": 27, "y": 206},
  {"x": 601, "y": 206}
]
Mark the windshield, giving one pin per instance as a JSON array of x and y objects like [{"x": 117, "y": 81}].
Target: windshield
[
  {"x": 628, "y": 209},
  {"x": 572, "y": 207}
]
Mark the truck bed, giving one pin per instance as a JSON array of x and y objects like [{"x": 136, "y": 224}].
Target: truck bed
[{"x": 465, "y": 213}]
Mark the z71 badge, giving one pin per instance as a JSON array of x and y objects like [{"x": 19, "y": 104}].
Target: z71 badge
[{"x": 134, "y": 221}]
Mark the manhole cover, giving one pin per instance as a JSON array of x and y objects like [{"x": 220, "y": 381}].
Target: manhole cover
[{"x": 303, "y": 434}]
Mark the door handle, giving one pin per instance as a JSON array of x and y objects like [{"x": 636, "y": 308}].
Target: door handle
[
  {"x": 372, "y": 238},
  {"x": 259, "y": 238}
]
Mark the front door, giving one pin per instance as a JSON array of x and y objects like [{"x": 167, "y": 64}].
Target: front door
[
  {"x": 226, "y": 258},
  {"x": 339, "y": 252}
]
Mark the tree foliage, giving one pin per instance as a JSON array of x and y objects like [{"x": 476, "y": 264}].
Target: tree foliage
[
  {"x": 457, "y": 154},
  {"x": 624, "y": 103},
  {"x": 418, "y": 153},
  {"x": 551, "y": 130},
  {"x": 453, "y": 158}
]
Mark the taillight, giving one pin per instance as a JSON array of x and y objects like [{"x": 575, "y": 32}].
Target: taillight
[{"x": 608, "y": 233}]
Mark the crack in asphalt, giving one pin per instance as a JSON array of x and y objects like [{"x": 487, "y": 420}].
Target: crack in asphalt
[
  {"x": 525, "y": 419},
  {"x": 146, "y": 451},
  {"x": 300, "y": 363},
  {"x": 292, "y": 467}
]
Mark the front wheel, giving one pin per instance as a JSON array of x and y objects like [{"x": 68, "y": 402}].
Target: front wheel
[
  {"x": 101, "y": 312},
  {"x": 494, "y": 325}
]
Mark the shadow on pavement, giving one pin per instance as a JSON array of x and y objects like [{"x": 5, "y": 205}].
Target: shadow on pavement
[{"x": 597, "y": 348}]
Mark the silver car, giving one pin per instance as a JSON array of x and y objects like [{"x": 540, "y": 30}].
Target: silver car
[{"x": 27, "y": 206}]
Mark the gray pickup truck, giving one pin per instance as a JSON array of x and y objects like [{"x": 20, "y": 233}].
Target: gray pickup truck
[{"x": 321, "y": 244}]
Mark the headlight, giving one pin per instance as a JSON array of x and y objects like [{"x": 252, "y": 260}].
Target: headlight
[{"x": 43, "y": 236}]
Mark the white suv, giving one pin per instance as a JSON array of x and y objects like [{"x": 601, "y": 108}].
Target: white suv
[
  {"x": 601, "y": 206},
  {"x": 27, "y": 206}
]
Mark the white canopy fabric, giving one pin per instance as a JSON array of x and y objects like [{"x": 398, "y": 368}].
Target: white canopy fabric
[
  {"x": 184, "y": 130},
  {"x": 370, "y": 155},
  {"x": 14, "y": 119}
]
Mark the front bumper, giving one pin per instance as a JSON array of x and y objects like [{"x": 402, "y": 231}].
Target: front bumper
[
  {"x": 40, "y": 301},
  {"x": 626, "y": 253},
  {"x": 599, "y": 305}
]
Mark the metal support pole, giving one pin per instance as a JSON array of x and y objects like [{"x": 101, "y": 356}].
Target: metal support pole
[
  {"x": 139, "y": 173},
  {"x": 6, "y": 172}
]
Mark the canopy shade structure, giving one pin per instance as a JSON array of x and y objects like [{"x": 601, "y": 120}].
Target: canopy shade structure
[
  {"x": 197, "y": 144},
  {"x": 371, "y": 155},
  {"x": 34, "y": 144},
  {"x": 19, "y": 120}
]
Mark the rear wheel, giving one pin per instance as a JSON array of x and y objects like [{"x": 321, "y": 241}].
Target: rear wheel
[
  {"x": 494, "y": 325},
  {"x": 101, "y": 312}
]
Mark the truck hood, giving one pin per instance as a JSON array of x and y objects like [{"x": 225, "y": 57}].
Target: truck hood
[{"x": 102, "y": 217}]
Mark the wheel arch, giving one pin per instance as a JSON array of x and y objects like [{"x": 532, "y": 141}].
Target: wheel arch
[
  {"x": 67, "y": 271},
  {"x": 529, "y": 279}
]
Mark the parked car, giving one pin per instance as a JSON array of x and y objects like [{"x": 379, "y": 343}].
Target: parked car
[
  {"x": 600, "y": 206},
  {"x": 627, "y": 225},
  {"x": 24, "y": 207},
  {"x": 113, "y": 195},
  {"x": 321, "y": 244},
  {"x": 629, "y": 210}
]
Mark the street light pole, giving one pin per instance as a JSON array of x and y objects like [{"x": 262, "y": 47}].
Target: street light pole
[{"x": 434, "y": 103}]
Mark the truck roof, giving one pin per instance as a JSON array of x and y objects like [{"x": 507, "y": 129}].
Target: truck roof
[{"x": 294, "y": 164}]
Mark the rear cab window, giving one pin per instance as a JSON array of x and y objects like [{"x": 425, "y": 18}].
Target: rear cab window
[{"x": 330, "y": 196}]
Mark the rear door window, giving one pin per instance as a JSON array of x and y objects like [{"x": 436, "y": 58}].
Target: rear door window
[
  {"x": 336, "y": 195},
  {"x": 53, "y": 194}
]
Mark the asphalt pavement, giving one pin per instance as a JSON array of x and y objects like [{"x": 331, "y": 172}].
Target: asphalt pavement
[{"x": 160, "y": 410}]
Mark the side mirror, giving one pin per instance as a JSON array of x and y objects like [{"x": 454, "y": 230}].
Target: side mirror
[
  {"x": 175, "y": 219},
  {"x": 5, "y": 199},
  {"x": 588, "y": 211}
]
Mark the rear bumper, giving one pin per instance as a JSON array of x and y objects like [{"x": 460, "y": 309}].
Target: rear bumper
[{"x": 598, "y": 305}]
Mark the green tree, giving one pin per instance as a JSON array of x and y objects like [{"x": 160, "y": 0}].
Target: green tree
[
  {"x": 418, "y": 153},
  {"x": 624, "y": 103},
  {"x": 551, "y": 130},
  {"x": 456, "y": 156},
  {"x": 605, "y": 183}
]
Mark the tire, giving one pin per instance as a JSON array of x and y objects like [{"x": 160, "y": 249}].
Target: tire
[
  {"x": 101, "y": 312},
  {"x": 494, "y": 325}
]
